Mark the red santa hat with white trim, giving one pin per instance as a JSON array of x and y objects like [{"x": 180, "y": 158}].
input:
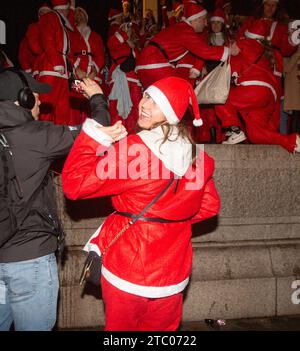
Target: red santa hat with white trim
[
  {"x": 173, "y": 95},
  {"x": 60, "y": 4},
  {"x": 218, "y": 16},
  {"x": 44, "y": 6},
  {"x": 259, "y": 29},
  {"x": 193, "y": 11},
  {"x": 82, "y": 10},
  {"x": 114, "y": 13}
]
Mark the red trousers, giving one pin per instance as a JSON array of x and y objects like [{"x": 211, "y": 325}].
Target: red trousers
[
  {"x": 256, "y": 104},
  {"x": 127, "y": 312},
  {"x": 55, "y": 106}
]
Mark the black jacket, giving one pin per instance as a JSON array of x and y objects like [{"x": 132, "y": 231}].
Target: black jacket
[{"x": 35, "y": 144}]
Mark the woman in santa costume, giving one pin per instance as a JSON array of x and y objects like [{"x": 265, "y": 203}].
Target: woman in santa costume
[
  {"x": 158, "y": 59},
  {"x": 254, "y": 94},
  {"x": 146, "y": 270}
]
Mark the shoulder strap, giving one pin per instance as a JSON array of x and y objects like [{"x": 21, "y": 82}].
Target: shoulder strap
[
  {"x": 132, "y": 221},
  {"x": 153, "y": 201}
]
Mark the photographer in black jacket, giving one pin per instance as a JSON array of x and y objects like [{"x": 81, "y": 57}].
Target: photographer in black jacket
[{"x": 28, "y": 268}]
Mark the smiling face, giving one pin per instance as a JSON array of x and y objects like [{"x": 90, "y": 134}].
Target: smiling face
[
  {"x": 150, "y": 115},
  {"x": 216, "y": 26}
]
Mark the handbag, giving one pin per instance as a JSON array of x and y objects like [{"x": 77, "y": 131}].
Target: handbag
[
  {"x": 215, "y": 87},
  {"x": 91, "y": 271}
]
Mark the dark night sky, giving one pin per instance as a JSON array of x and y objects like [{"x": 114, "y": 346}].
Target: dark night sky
[{"x": 17, "y": 14}]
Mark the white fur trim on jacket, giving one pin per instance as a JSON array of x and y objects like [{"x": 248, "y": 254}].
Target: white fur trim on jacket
[
  {"x": 225, "y": 54},
  {"x": 142, "y": 290},
  {"x": 90, "y": 128},
  {"x": 175, "y": 153}
]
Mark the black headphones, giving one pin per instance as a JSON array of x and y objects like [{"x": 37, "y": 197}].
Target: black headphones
[{"x": 26, "y": 97}]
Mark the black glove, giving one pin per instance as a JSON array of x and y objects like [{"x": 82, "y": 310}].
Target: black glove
[{"x": 129, "y": 64}]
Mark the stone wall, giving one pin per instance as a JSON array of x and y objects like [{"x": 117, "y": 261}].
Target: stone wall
[{"x": 245, "y": 260}]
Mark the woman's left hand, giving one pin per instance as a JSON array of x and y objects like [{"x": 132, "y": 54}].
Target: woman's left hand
[{"x": 116, "y": 131}]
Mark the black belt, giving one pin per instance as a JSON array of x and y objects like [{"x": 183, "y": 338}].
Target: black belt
[
  {"x": 161, "y": 49},
  {"x": 149, "y": 219},
  {"x": 83, "y": 52}
]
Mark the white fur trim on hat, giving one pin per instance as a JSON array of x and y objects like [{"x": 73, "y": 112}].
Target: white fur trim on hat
[
  {"x": 197, "y": 122},
  {"x": 217, "y": 19},
  {"x": 197, "y": 15},
  {"x": 61, "y": 7},
  {"x": 161, "y": 100},
  {"x": 115, "y": 16},
  {"x": 253, "y": 35}
]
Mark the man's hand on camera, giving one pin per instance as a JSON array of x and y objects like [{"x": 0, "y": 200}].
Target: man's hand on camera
[{"x": 90, "y": 88}]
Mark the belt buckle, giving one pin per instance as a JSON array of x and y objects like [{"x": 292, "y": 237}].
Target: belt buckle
[{"x": 83, "y": 52}]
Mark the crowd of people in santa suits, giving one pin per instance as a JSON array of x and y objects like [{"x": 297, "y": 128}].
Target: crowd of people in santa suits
[{"x": 61, "y": 47}]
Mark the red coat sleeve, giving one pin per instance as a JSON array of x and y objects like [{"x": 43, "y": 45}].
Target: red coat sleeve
[
  {"x": 281, "y": 40},
  {"x": 210, "y": 203},
  {"x": 33, "y": 39},
  {"x": 88, "y": 175},
  {"x": 98, "y": 50},
  {"x": 25, "y": 56},
  {"x": 49, "y": 25}
]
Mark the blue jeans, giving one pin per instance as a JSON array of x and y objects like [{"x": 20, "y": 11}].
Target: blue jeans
[{"x": 28, "y": 294}]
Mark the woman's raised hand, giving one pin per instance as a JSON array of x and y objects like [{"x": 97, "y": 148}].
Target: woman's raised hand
[{"x": 116, "y": 131}]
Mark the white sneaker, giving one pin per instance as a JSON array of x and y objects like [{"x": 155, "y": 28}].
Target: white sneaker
[
  {"x": 297, "y": 147},
  {"x": 235, "y": 138}
]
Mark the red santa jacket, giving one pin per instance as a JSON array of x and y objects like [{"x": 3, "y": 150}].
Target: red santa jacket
[
  {"x": 87, "y": 51},
  {"x": 35, "y": 45},
  {"x": 251, "y": 68},
  {"x": 279, "y": 36},
  {"x": 119, "y": 51},
  {"x": 25, "y": 56},
  {"x": 177, "y": 41},
  {"x": 150, "y": 259},
  {"x": 56, "y": 44}
]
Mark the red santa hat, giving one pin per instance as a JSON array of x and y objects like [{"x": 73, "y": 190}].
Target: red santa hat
[
  {"x": 44, "y": 6},
  {"x": 114, "y": 13},
  {"x": 221, "y": 3},
  {"x": 259, "y": 29},
  {"x": 177, "y": 6},
  {"x": 60, "y": 4},
  {"x": 193, "y": 11},
  {"x": 173, "y": 95},
  {"x": 218, "y": 16},
  {"x": 81, "y": 9}
]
